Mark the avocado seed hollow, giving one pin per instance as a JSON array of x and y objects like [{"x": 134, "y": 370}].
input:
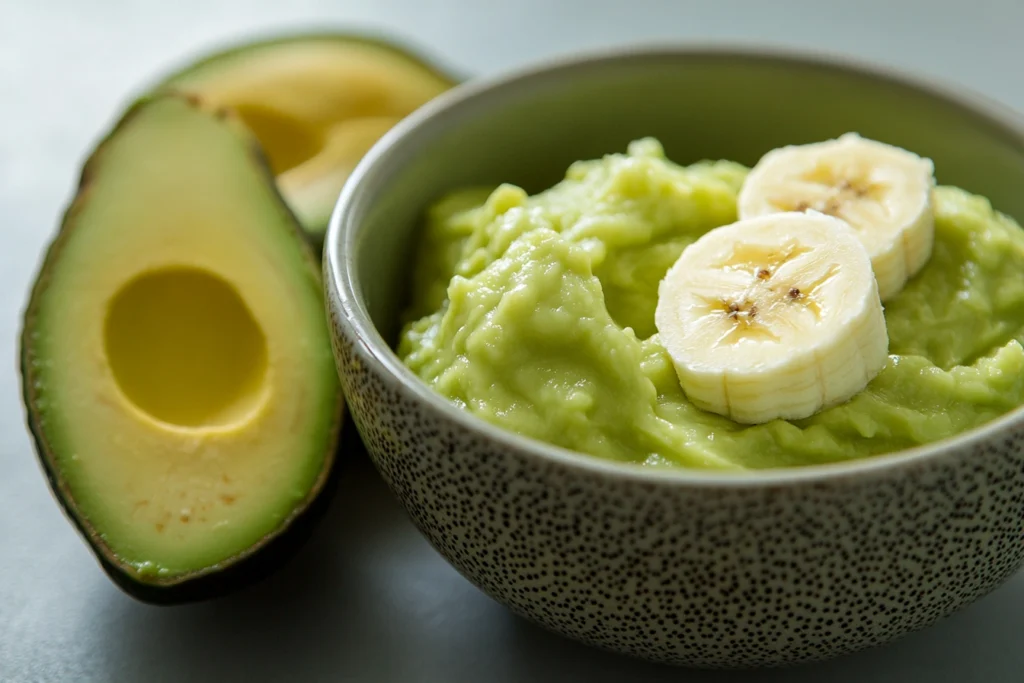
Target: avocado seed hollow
[{"x": 185, "y": 349}]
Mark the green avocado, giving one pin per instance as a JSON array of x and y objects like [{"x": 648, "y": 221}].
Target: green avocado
[
  {"x": 536, "y": 313},
  {"x": 317, "y": 103},
  {"x": 176, "y": 364}
]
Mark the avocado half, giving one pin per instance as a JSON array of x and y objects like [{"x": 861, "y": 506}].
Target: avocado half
[
  {"x": 316, "y": 103},
  {"x": 176, "y": 363}
]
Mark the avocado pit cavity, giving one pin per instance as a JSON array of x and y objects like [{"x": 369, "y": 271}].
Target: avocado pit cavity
[{"x": 184, "y": 348}]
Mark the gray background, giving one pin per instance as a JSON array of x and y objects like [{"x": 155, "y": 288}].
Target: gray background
[{"x": 367, "y": 599}]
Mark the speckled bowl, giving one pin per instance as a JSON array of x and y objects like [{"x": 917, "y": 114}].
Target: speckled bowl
[{"x": 684, "y": 567}]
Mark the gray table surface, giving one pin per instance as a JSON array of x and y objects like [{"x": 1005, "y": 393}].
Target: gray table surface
[{"x": 367, "y": 599}]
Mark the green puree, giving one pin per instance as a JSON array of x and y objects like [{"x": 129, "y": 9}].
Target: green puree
[{"x": 537, "y": 314}]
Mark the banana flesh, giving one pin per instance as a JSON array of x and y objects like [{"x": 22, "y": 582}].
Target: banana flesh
[
  {"x": 883, "y": 192},
  {"x": 776, "y": 316}
]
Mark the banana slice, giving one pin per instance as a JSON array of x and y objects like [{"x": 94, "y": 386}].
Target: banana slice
[
  {"x": 773, "y": 317},
  {"x": 884, "y": 192}
]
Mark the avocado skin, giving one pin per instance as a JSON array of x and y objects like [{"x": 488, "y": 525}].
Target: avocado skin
[
  {"x": 253, "y": 566},
  {"x": 314, "y": 234},
  {"x": 258, "y": 560},
  {"x": 382, "y": 40}
]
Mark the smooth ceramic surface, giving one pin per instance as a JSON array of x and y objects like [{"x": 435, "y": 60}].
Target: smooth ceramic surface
[
  {"x": 680, "y": 567},
  {"x": 368, "y": 599}
]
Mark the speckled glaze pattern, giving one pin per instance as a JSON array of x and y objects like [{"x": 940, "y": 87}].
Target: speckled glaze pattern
[
  {"x": 690, "y": 568},
  {"x": 708, "y": 575}
]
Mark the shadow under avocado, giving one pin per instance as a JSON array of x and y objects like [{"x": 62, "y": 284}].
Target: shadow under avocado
[
  {"x": 265, "y": 632},
  {"x": 367, "y": 598}
]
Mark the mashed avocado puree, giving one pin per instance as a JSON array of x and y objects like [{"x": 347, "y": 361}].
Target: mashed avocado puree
[{"x": 536, "y": 313}]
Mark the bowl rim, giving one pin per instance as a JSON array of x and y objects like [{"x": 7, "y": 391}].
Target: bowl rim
[{"x": 340, "y": 237}]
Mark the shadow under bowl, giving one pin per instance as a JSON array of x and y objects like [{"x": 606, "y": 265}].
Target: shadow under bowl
[{"x": 685, "y": 567}]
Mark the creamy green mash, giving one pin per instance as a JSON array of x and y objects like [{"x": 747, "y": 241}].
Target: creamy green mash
[{"x": 536, "y": 313}]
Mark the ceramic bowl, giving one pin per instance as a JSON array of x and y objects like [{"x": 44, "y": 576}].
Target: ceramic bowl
[{"x": 685, "y": 567}]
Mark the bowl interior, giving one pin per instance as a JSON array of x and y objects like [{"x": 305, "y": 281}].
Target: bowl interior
[{"x": 527, "y": 129}]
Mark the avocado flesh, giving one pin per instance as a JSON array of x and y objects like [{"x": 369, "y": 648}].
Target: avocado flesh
[
  {"x": 316, "y": 103},
  {"x": 176, "y": 362}
]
